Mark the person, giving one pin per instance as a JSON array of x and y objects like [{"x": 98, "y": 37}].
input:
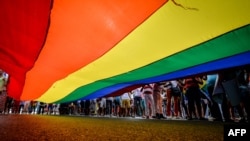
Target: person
[
  {"x": 183, "y": 99},
  {"x": 71, "y": 108},
  {"x": 83, "y": 107},
  {"x": 147, "y": 90},
  {"x": 244, "y": 90},
  {"x": 234, "y": 84},
  {"x": 41, "y": 108},
  {"x": 87, "y": 106},
  {"x": 21, "y": 106},
  {"x": 206, "y": 99},
  {"x": 173, "y": 91},
  {"x": 126, "y": 107},
  {"x": 26, "y": 107},
  {"x": 219, "y": 97},
  {"x": 93, "y": 107},
  {"x": 102, "y": 106},
  {"x": 193, "y": 94},
  {"x": 214, "y": 107},
  {"x": 157, "y": 94},
  {"x": 138, "y": 111},
  {"x": 143, "y": 105},
  {"x": 167, "y": 98},
  {"x": 109, "y": 105},
  {"x": 8, "y": 104},
  {"x": 78, "y": 107},
  {"x": 117, "y": 108},
  {"x": 33, "y": 105},
  {"x": 3, "y": 81},
  {"x": 56, "y": 108}
]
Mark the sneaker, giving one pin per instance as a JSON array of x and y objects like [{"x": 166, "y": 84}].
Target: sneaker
[
  {"x": 242, "y": 120},
  {"x": 169, "y": 117},
  {"x": 211, "y": 118},
  {"x": 154, "y": 117},
  {"x": 202, "y": 118},
  {"x": 178, "y": 117},
  {"x": 158, "y": 116},
  {"x": 162, "y": 117}
]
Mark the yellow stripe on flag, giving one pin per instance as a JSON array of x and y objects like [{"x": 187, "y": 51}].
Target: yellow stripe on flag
[{"x": 169, "y": 30}]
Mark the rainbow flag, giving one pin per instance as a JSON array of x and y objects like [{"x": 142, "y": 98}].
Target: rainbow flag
[{"x": 60, "y": 51}]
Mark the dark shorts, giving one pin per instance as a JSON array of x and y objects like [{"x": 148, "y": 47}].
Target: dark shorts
[
  {"x": 117, "y": 102},
  {"x": 137, "y": 100}
]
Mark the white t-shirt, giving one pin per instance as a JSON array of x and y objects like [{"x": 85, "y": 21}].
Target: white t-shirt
[
  {"x": 110, "y": 98},
  {"x": 103, "y": 102},
  {"x": 174, "y": 83},
  {"x": 125, "y": 96},
  {"x": 137, "y": 92}
]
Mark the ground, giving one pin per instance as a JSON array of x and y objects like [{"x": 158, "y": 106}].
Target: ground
[{"x": 73, "y": 128}]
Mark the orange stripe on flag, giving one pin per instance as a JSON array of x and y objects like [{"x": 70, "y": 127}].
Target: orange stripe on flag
[{"x": 80, "y": 32}]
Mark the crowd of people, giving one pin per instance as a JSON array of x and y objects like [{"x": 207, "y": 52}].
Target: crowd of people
[{"x": 220, "y": 96}]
